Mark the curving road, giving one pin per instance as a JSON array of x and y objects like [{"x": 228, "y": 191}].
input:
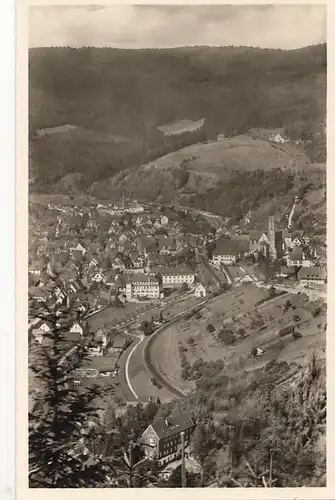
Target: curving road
[{"x": 148, "y": 362}]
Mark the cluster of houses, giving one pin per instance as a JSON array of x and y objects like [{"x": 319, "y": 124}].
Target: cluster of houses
[
  {"x": 134, "y": 258},
  {"x": 293, "y": 247},
  {"x": 120, "y": 256},
  {"x": 103, "y": 347}
]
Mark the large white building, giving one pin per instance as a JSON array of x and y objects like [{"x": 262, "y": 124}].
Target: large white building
[
  {"x": 224, "y": 253},
  {"x": 143, "y": 286},
  {"x": 172, "y": 277}
]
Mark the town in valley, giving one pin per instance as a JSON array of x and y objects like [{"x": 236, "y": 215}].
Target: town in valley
[
  {"x": 177, "y": 246},
  {"x": 161, "y": 292}
]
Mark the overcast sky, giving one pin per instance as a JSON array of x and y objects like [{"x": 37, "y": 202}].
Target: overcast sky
[{"x": 159, "y": 26}]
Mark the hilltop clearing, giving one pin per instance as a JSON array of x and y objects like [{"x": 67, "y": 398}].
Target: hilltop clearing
[
  {"x": 236, "y": 153},
  {"x": 230, "y": 178}
]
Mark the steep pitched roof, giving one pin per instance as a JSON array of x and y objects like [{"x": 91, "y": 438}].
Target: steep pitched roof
[
  {"x": 225, "y": 246},
  {"x": 172, "y": 425},
  {"x": 255, "y": 235},
  {"x": 171, "y": 271}
]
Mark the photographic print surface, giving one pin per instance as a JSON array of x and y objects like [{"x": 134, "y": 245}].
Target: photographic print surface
[{"x": 177, "y": 246}]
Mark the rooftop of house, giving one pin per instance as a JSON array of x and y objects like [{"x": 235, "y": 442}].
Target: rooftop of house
[
  {"x": 225, "y": 246},
  {"x": 312, "y": 273},
  {"x": 172, "y": 271},
  {"x": 35, "y": 291},
  {"x": 256, "y": 234},
  {"x": 169, "y": 426},
  {"x": 72, "y": 337},
  {"x": 166, "y": 240}
]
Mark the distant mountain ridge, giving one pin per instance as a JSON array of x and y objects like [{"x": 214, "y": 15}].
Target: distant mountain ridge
[{"x": 130, "y": 93}]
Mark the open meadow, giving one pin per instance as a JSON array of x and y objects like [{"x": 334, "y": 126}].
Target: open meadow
[{"x": 234, "y": 324}]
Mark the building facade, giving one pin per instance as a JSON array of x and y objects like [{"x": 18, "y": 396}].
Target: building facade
[
  {"x": 316, "y": 275},
  {"x": 200, "y": 291},
  {"x": 226, "y": 252},
  {"x": 175, "y": 277},
  {"x": 228, "y": 259},
  {"x": 141, "y": 286},
  {"x": 164, "y": 437}
]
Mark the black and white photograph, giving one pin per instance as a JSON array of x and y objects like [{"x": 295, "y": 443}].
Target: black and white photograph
[{"x": 177, "y": 254}]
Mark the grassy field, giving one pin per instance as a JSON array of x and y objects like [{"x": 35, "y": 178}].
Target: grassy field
[
  {"x": 179, "y": 307},
  {"x": 165, "y": 347},
  {"x": 238, "y": 309},
  {"x": 236, "y": 153}
]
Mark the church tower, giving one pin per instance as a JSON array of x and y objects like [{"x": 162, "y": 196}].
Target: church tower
[{"x": 272, "y": 239}]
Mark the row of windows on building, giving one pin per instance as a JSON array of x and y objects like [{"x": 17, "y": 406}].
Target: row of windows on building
[{"x": 178, "y": 279}]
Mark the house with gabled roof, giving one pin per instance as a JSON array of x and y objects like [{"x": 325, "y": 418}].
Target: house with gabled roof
[
  {"x": 298, "y": 257},
  {"x": 224, "y": 252},
  {"x": 37, "y": 330},
  {"x": 80, "y": 248},
  {"x": 307, "y": 275},
  {"x": 98, "y": 276},
  {"x": 37, "y": 293},
  {"x": 93, "y": 262},
  {"x": 200, "y": 291},
  {"x": 77, "y": 328},
  {"x": 164, "y": 437}
]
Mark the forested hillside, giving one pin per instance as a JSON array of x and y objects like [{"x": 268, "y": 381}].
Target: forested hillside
[{"x": 118, "y": 98}]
